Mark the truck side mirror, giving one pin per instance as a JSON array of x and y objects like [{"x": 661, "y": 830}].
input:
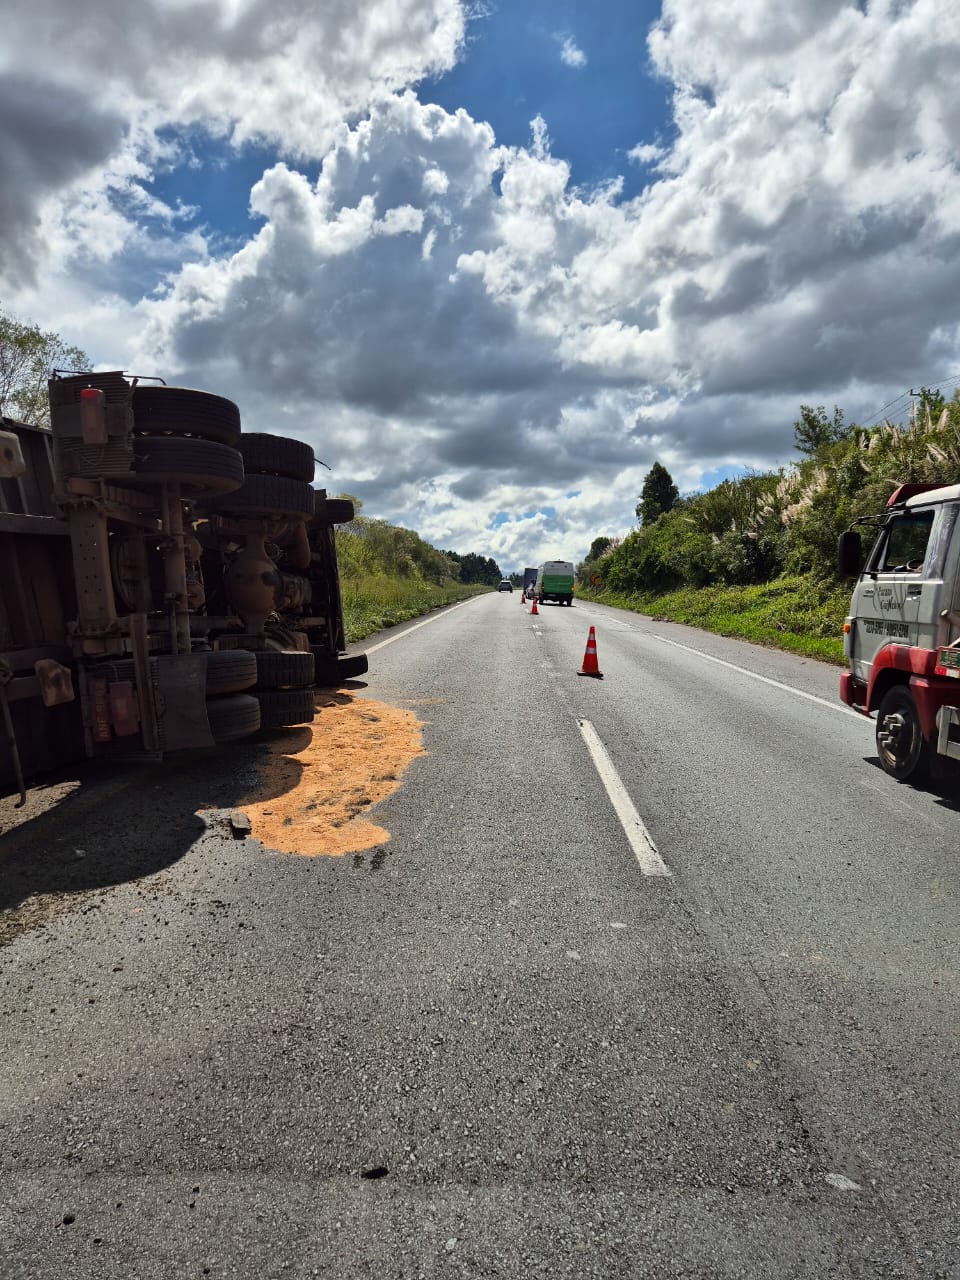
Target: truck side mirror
[{"x": 850, "y": 554}]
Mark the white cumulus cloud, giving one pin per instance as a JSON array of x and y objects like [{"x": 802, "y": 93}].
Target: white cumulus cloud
[{"x": 570, "y": 54}]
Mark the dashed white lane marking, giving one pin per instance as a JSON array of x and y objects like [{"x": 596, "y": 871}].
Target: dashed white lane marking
[
  {"x": 650, "y": 862},
  {"x": 787, "y": 688},
  {"x": 416, "y": 627}
]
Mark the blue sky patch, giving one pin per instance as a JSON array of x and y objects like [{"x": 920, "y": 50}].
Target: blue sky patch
[
  {"x": 214, "y": 178},
  {"x": 583, "y": 68}
]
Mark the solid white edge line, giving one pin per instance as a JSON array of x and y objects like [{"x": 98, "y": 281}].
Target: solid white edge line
[
  {"x": 382, "y": 644},
  {"x": 645, "y": 851},
  {"x": 776, "y": 684}
]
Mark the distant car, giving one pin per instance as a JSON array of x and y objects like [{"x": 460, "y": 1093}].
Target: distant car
[{"x": 505, "y": 585}]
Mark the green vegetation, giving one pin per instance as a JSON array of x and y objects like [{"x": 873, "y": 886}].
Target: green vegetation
[
  {"x": 755, "y": 556},
  {"x": 658, "y": 496},
  {"x": 791, "y": 613},
  {"x": 27, "y": 355},
  {"x": 372, "y": 603},
  {"x": 389, "y": 574}
]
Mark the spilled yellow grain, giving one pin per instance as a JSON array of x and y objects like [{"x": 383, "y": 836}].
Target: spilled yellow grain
[{"x": 317, "y": 781}]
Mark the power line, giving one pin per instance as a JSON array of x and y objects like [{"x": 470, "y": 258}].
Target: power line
[
  {"x": 906, "y": 396},
  {"x": 880, "y": 412}
]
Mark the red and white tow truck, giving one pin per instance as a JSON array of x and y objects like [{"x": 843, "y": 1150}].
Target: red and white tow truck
[{"x": 902, "y": 635}]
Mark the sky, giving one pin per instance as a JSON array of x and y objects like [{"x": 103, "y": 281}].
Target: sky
[{"x": 493, "y": 260}]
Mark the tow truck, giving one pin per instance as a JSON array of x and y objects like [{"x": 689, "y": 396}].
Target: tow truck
[{"x": 901, "y": 637}]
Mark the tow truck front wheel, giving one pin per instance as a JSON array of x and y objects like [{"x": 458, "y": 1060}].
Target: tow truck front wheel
[{"x": 901, "y": 746}]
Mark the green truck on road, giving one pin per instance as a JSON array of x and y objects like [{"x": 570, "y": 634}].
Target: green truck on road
[{"x": 555, "y": 582}]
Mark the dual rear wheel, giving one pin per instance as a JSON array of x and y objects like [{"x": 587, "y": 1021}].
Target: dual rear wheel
[
  {"x": 249, "y": 690},
  {"x": 283, "y": 688}
]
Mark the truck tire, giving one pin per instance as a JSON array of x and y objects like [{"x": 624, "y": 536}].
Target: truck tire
[
  {"x": 236, "y": 716},
  {"x": 901, "y": 746},
  {"x": 265, "y": 454},
  {"x": 201, "y": 465},
  {"x": 230, "y": 671},
  {"x": 333, "y": 510},
  {"x": 331, "y": 669},
  {"x": 270, "y": 495},
  {"x": 283, "y": 670},
  {"x": 278, "y": 709},
  {"x": 180, "y": 411}
]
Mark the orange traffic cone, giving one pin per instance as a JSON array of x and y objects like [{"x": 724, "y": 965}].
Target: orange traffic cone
[
  {"x": 590, "y": 667},
  {"x": 533, "y": 607}
]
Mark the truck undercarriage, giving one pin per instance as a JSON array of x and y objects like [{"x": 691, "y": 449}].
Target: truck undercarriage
[{"x": 168, "y": 582}]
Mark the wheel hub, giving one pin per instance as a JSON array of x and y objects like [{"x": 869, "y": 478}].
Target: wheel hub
[{"x": 891, "y": 733}]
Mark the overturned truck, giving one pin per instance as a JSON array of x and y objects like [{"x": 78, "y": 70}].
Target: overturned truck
[{"x": 167, "y": 581}]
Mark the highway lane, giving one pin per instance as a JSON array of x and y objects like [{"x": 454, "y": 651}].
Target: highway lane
[
  {"x": 493, "y": 1046},
  {"x": 831, "y": 889}
]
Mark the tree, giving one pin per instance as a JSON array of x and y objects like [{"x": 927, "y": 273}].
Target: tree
[
  {"x": 930, "y": 403},
  {"x": 597, "y": 547},
  {"x": 476, "y": 568},
  {"x": 657, "y": 496},
  {"x": 813, "y": 430},
  {"x": 27, "y": 355}
]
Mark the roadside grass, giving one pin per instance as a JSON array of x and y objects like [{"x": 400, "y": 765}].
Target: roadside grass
[
  {"x": 375, "y": 601},
  {"x": 793, "y": 613}
]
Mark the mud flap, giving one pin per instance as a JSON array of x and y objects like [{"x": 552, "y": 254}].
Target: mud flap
[
  {"x": 334, "y": 669},
  {"x": 182, "y": 702}
]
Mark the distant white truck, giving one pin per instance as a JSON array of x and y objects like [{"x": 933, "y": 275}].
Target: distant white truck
[
  {"x": 902, "y": 635},
  {"x": 555, "y": 582}
]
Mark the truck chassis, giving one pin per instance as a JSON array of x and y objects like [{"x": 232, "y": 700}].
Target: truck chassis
[{"x": 168, "y": 581}]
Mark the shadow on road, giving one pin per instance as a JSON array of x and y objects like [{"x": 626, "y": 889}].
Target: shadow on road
[
  {"x": 946, "y": 791},
  {"x": 92, "y": 826},
  {"x": 91, "y": 829}
]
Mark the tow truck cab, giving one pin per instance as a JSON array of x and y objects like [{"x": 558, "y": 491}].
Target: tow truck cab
[{"x": 902, "y": 635}]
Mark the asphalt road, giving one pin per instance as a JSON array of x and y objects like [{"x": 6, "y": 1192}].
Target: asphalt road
[{"x": 495, "y": 1046}]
